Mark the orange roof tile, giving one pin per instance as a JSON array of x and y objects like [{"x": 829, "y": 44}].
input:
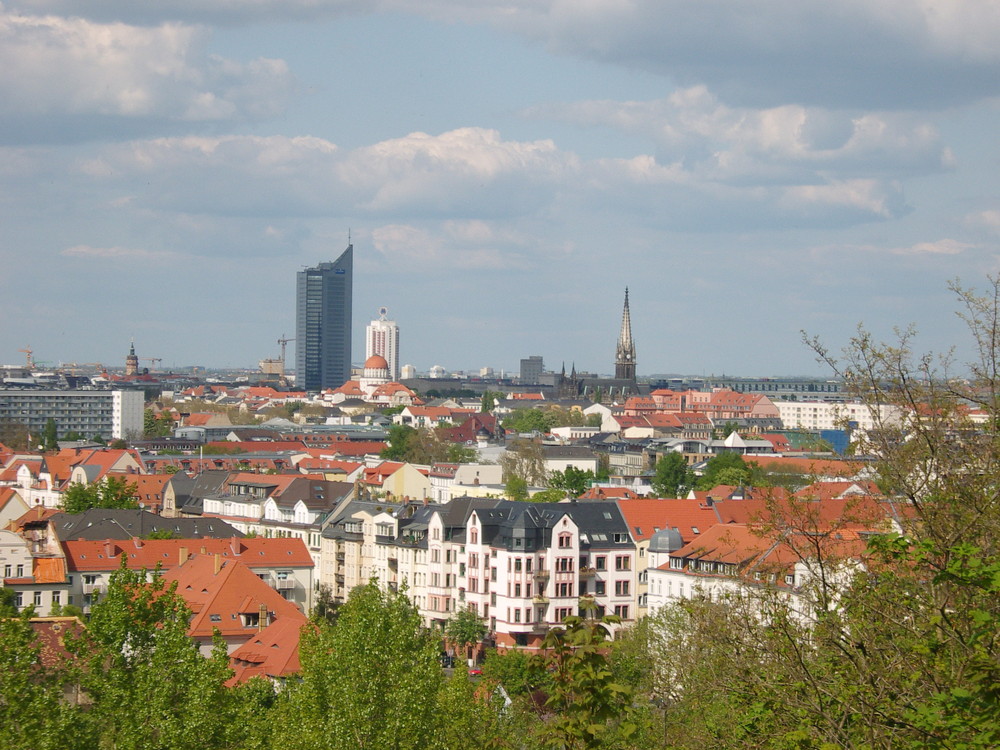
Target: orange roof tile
[
  {"x": 88, "y": 555},
  {"x": 220, "y": 591}
]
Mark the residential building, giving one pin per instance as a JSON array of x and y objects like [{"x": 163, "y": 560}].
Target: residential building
[
  {"x": 111, "y": 414},
  {"x": 382, "y": 338},
  {"x": 284, "y": 564},
  {"x": 323, "y": 324}
]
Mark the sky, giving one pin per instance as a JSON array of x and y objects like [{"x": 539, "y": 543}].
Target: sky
[{"x": 504, "y": 170}]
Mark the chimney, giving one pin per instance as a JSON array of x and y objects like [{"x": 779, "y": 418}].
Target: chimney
[
  {"x": 203, "y": 550},
  {"x": 40, "y": 511},
  {"x": 262, "y": 617},
  {"x": 218, "y": 563},
  {"x": 183, "y": 556}
]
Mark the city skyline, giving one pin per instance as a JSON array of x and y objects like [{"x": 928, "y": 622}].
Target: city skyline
[{"x": 748, "y": 172}]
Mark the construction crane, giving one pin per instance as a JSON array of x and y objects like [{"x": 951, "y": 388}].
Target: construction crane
[
  {"x": 29, "y": 351},
  {"x": 282, "y": 342},
  {"x": 154, "y": 361}
]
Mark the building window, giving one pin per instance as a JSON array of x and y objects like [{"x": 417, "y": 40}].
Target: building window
[
  {"x": 565, "y": 541},
  {"x": 601, "y": 562},
  {"x": 623, "y": 562},
  {"x": 622, "y": 611},
  {"x": 38, "y": 599},
  {"x": 20, "y": 571},
  {"x": 56, "y": 598},
  {"x": 599, "y": 588},
  {"x": 621, "y": 588}
]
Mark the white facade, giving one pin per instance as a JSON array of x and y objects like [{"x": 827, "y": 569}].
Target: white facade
[
  {"x": 382, "y": 338},
  {"x": 820, "y": 415}
]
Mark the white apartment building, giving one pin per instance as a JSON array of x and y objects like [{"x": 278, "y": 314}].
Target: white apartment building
[
  {"x": 822, "y": 415},
  {"x": 111, "y": 414},
  {"x": 382, "y": 338}
]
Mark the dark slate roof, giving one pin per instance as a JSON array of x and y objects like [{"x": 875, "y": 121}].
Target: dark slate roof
[{"x": 105, "y": 523}]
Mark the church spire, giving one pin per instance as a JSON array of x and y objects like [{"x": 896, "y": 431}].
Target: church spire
[{"x": 625, "y": 355}]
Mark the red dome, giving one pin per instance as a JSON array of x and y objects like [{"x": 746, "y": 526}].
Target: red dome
[{"x": 376, "y": 362}]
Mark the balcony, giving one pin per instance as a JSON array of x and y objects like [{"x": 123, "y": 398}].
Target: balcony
[
  {"x": 540, "y": 599},
  {"x": 283, "y": 584},
  {"x": 95, "y": 589},
  {"x": 588, "y": 572},
  {"x": 541, "y": 575}
]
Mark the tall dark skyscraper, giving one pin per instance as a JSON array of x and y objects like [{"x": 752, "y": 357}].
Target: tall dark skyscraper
[{"x": 323, "y": 324}]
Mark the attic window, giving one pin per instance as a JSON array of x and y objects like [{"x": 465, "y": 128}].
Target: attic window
[
  {"x": 695, "y": 529},
  {"x": 607, "y": 515},
  {"x": 215, "y": 618}
]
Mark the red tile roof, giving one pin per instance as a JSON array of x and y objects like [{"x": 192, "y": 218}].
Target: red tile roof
[
  {"x": 218, "y": 591},
  {"x": 646, "y": 516},
  {"x": 272, "y": 652},
  {"x": 85, "y": 555}
]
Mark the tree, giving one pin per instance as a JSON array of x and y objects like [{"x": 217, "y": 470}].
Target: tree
[
  {"x": 588, "y": 707},
  {"x": 50, "y": 439},
  {"x": 15, "y": 435},
  {"x": 901, "y": 650},
  {"x": 149, "y": 685},
  {"x": 529, "y": 421},
  {"x": 671, "y": 475},
  {"x": 526, "y": 460},
  {"x": 113, "y": 492},
  {"x": 573, "y": 480},
  {"x": 489, "y": 401},
  {"x": 367, "y": 682},
  {"x": 156, "y": 425},
  {"x": 327, "y": 608},
  {"x": 33, "y": 714},
  {"x": 517, "y": 488},
  {"x": 465, "y": 629},
  {"x": 723, "y": 468}
]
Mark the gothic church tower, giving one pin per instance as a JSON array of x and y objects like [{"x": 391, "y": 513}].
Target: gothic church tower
[{"x": 625, "y": 355}]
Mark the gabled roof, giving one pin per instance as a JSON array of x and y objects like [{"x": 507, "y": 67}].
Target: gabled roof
[
  {"x": 220, "y": 592},
  {"x": 100, "y": 524},
  {"x": 647, "y": 516},
  {"x": 257, "y": 552},
  {"x": 273, "y": 652}
]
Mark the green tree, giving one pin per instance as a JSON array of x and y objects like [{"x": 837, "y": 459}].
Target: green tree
[
  {"x": 113, "y": 492},
  {"x": 573, "y": 480},
  {"x": 370, "y": 681},
  {"x": 33, "y": 714},
  {"x": 156, "y": 425},
  {"x": 671, "y": 475},
  {"x": 148, "y": 683},
  {"x": 465, "y": 629},
  {"x": 400, "y": 437},
  {"x": 50, "y": 438},
  {"x": 517, "y": 488},
  {"x": 490, "y": 400},
  {"x": 589, "y": 709},
  {"x": 529, "y": 420},
  {"x": 327, "y": 608},
  {"x": 723, "y": 468}
]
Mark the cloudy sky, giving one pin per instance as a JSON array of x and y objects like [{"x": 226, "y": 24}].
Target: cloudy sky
[{"x": 505, "y": 170}]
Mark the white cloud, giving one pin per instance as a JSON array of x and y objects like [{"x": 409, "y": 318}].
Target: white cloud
[
  {"x": 988, "y": 220},
  {"x": 462, "y": 245},
  {"x": 885, "y": 53},
  {"x": 736, "y": 144},
  {"x": 66, "y": 77},
  {"x": 939, "y": 247}
]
